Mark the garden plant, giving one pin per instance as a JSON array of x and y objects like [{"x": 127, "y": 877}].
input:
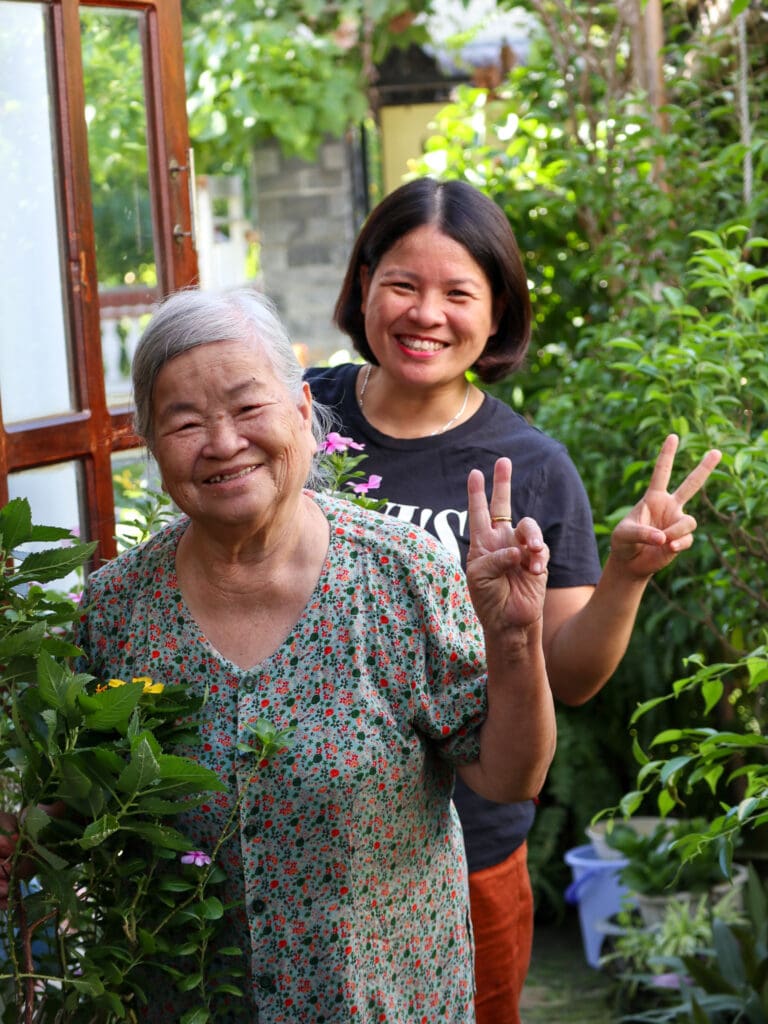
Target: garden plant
[
  {"x": 644, "y": 234},
  {"x": 103, "y": 885}
]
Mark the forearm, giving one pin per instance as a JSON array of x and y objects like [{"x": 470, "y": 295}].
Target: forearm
[
  {"x": 517, "y": 739},
  {"x": 586, "y": 648}
]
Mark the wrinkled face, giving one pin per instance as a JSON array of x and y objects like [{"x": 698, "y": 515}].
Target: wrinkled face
[
  {"x": 428, "y": 308},
  {"x": 233, "y": 447}
]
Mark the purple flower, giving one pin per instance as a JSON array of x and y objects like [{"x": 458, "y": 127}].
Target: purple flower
[
  {"x": 364, "y": 486},
  {"x": 669, "y": 980},
  {"x": 196, "y": 857},
  {"x": 334, "y": 442}
]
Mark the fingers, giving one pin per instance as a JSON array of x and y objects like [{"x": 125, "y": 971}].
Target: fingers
[
  {"x": 662, "y": 471},
  {"x": 481, "y": 514},
  {"x": 698, "y": 477},
  {"x": 534, "y": 552},
  {"x": 501, "y": 495}
]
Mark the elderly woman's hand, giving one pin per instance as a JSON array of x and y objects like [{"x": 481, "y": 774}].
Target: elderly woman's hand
[
  {"x": 24, "y": 868},
  {"x": 657, "y": 529},
  {"x": 8, "y": 838},
  {"x": 507, "y": 563}
]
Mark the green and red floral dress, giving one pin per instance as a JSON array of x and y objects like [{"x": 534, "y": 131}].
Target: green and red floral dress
[{"x": 347, "y": 875}]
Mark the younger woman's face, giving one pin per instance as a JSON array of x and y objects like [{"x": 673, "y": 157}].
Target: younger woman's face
[{"x": 428, "y": 308}]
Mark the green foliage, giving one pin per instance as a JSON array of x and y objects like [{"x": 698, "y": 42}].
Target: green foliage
[
  {"x": 728, "y": 763},
  {"x": 733, "y": 980},
  {"x": 294, "y": 72},
  {"x": 95, "y": 785},
  {"x": 655, "y": 862},
  {"x": 640, "y": 952},
  {"x": 113, "y": 71},
  {"x": 140, "y": 507},
  {"x": 646, "y": 254},
  {"x": 341, "y": 473},
  {"x": 720, "y": 981}
]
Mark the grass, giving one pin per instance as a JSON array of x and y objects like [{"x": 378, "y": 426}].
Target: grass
[{"x": 561, "y": 987}]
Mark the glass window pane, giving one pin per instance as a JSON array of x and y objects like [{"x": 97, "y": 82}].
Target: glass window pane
[
  {"x": 32, "y": 325},
  {"x": 53, "y": 496},
  {"x": 115, "y": 113},
  {"x": 141, "y": 508}
]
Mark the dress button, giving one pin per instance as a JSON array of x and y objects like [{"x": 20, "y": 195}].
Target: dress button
[
  {"x": 258, "y": 906},
  {"x": 267, "y": 982},
  {"x": 251, "y": 830}
]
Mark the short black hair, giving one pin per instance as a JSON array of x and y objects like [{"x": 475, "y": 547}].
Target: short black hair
[{"x": 470, "y": 218}]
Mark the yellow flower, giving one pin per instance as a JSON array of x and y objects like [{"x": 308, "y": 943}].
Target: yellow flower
[{"x": 149, "y": 686}]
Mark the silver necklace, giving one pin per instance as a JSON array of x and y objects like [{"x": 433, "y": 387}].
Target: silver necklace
[{"x": 442, "y": 430}]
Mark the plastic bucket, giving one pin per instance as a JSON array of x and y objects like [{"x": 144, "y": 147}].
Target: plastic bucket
[{"x": 597, "y": 892}]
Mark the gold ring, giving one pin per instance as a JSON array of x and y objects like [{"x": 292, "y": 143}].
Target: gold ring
[{"x": 501, "y": 519}]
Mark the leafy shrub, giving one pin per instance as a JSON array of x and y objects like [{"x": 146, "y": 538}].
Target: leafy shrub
[{"x": 93, "y": 767}]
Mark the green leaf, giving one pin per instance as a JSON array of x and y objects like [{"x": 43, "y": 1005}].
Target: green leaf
[
  {"x": 98, "y": 831},
  {"x": 630, "y": 802},
  {"x": 712, "y": 692},
  {"x": 158, "y": 835},
  {"x": 177, "y": 885},
  {"x": 185, "y": 772},
  {"x": 231, "y": 990},
  {"x": 111, "y": 709},
  {"x": 25, "y": 641},
  {"x": 211, "y": 909},
  {"x": 672, "y": 767},
  {"x": 53, "y": 860},
  {"x": 76, "y": 782},
  {"x": 56, "y": 684},
  {"x": 665, "y": 802},
  {"x": 189, "y": 983},
  {"x": 53, "y": 563},
  {"x": 197, "y": 1016},
  {"x": 141, "y": 771},
  {"x": 35, "y": 820},
  {"x": 90, "y": 986},
  {"x": 147, "y": 941},
  {"x": 15, "y": 524}
]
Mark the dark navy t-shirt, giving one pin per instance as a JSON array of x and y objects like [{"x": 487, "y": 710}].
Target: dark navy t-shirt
[{"x": 424, "y": 481}]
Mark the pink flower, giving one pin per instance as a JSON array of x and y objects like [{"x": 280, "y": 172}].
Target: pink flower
[
  {"x": 364, "y": 486},
  {"x": 196, "y": 857},
  {"x": 669, "y": 980},
  {"x": 334, "y": 442}
]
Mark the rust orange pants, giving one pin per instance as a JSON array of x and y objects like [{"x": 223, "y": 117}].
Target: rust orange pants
[{"x": 501, "y": 904}]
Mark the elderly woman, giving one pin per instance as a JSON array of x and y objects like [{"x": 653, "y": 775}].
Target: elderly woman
[{"x": 347, "y": 875}]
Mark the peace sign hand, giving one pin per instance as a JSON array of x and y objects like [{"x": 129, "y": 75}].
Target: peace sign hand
[
  {"x": 506, "y": 564},
  {"x": 657, "y": 529}
]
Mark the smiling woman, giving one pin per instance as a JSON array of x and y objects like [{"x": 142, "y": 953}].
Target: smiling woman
[{"x": 356, "y": 634}]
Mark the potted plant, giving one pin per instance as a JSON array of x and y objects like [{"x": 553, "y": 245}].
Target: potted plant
[{"x": 656, "y": 872}]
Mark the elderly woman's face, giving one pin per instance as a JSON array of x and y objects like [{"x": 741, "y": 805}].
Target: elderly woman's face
[{"x": 232, "y": 445}]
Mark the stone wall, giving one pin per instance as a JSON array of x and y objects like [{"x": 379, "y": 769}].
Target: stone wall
[{"x": 305, "y": 217}]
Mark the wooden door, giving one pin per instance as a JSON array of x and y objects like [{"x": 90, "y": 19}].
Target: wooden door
[{"x": 95, "y": 226}]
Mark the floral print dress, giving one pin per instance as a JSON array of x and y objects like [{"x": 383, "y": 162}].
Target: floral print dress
[{"x": 346, "y": 877}]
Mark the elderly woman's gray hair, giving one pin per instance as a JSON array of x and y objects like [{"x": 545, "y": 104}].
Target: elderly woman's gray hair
[{"x": 192, "y": 317}]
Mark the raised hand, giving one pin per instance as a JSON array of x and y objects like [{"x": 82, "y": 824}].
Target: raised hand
[
  {"x": 506, "y": 563},
  {"x": 658, "y": 529}
]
